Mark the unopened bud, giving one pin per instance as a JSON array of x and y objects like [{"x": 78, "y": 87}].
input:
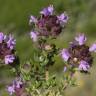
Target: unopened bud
[{"x": 48, "y": 47}]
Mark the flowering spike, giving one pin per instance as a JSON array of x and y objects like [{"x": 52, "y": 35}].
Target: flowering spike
[
  {"x": 93, "y": 48},
  {"x": 81, "y": 39},
  {"x": 79, "y": 55},
  {"x": 49, "y": 24}
]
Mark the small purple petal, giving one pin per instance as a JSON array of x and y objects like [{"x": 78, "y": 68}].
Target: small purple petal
[
  {"x": 18, "y": 84},
  {"x": 51, "y": 9},
  {"x": 34, "y": 36},
  {"x": 11, "y": 42},
  {"x": 32, "y": 20},
  {"x": 84, "y": 65},
  {"x": 63, "y": 18},
  {"x": 2, "y": 37},
  {"x": 47, "y": 11},
  {"x": 93, "y": 48},
  {"x": 65, "y": 68},
  {"x": 81, "y": 39},
  {"x": 65, "y": 54},
  {"x": 44, "y": 12},
  {"x": 11, "y": 89},
  {"x": 9, "y": 59}
]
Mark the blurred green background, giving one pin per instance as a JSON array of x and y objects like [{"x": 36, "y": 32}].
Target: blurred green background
[{"x": 14, "y": 18}]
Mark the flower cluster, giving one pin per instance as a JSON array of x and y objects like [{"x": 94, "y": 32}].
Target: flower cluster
[
  {"x": 78, "y": 55},
  {"x": 34, "y": 75},
  {"x": 7, "y": 51},
  {"x": 48, "y": 24},
  {"x": 16, "y": 87}
]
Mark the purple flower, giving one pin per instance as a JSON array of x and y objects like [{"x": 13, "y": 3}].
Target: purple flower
[
  {"x": 63, "y": 18},
  {"x": 65, "y": 68},
  {"x": 11, "y": 42},
  {"x": 9, "y": 59},
  {"x": 11, "y": 89},
  {"x": 19, "y": 83},
  {"x": 2, "y": 37},
  {"x": 81, "y": 39},
  {"x": 15, "y": 85},
  {"x": 34, "y": 36},
  {"x": 84, "y": 65},
  {"x": 32, "y": 20},
  {"x": 65, "y": 54},
  {"x": 93, "y": 48},
  {"x": 47, "y": 11}
]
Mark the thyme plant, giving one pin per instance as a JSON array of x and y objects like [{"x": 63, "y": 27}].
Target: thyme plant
[{"x": 33, "y": 77}]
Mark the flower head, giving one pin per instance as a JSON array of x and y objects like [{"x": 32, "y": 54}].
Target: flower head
[
  {"x": 84, "y": 66},
  {"x": 78, "y": 55},
  {"x": 49, "y": 24},
  {"x": 81, "y": 39},
  {"x": 34, "y": 36},
  {"x": 93, "y": 48},
  {"x": 65, "y": 54},
  {"x": 11, "y": 42},
  {"x": 9, "y": 59},
  {"x": 47, "y": 11},
  {"x": 7, "y": 48}
]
